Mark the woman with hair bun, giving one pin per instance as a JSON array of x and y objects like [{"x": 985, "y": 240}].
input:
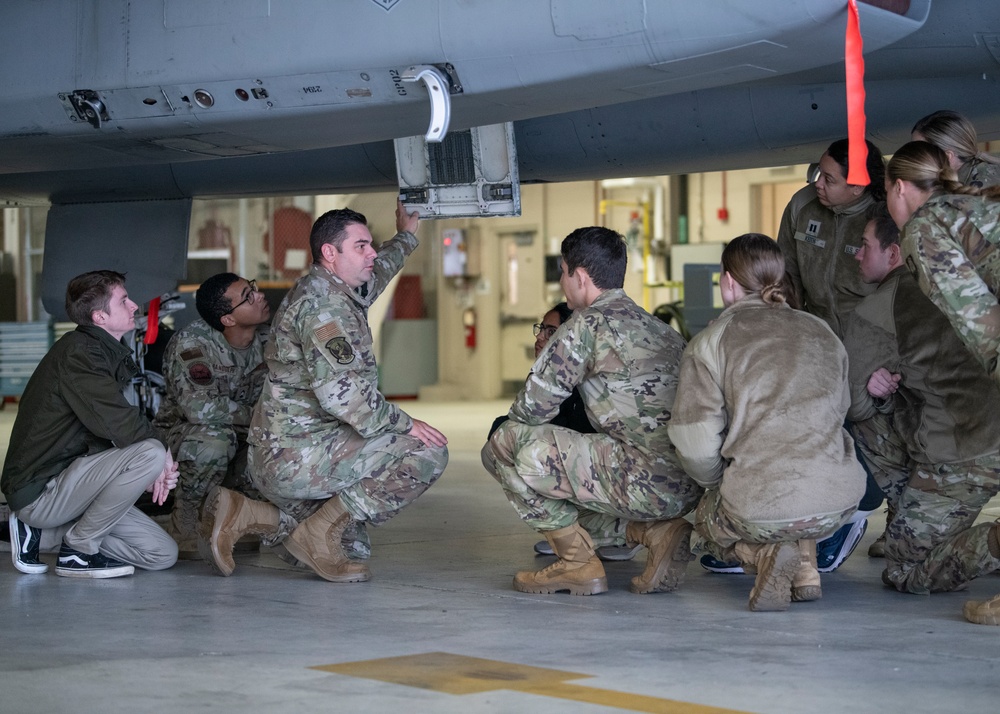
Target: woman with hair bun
[
  {"x": 949, "y": 235},
  {"x": 758, "y": 421},
  {"x": 956, "y": 137}
]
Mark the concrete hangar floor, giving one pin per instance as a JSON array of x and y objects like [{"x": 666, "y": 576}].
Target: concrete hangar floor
[{"x": 439, "y": 629}]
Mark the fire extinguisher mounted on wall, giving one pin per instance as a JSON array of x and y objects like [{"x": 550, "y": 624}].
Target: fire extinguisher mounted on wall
[{"x": 469, "y": 325}]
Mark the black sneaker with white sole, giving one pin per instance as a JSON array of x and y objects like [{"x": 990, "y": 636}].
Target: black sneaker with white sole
[
  {"x": 24, "y": 542},
  {"x": 74, "y": 564}
]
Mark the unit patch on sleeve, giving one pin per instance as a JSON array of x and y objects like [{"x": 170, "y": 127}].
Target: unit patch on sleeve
[
  {"x": 200, "y": 373},
  {"x": 341, "y": 350}
]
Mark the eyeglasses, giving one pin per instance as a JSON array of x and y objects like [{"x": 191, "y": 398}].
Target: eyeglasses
[
  {"x": 251, "y": 292},
  {"x": 540, "y": 327}
]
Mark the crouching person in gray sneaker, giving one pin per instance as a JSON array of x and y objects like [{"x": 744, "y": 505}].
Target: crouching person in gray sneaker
[
  {"x": 758, "y": 421},
  {"x": 80, "y": 455}
]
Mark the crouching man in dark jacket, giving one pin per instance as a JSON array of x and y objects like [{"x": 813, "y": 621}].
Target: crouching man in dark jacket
[{"x": 80, "y": 455}]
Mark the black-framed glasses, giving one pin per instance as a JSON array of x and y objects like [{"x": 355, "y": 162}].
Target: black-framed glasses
[
  {"x": 540, "y": 327},
  {"x": 251, "y": 291}
]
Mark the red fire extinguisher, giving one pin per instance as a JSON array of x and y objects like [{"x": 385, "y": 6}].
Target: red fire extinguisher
[{"x": 469, "y": 325}]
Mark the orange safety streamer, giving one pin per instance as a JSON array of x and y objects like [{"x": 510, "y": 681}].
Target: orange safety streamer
[
  {"x": 152, "y": 322},
  {"x": 854, "y": 64}
]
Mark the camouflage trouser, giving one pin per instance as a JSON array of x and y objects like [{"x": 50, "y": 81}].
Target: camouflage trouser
[
  {"x": 375, "y": 478},
  {"x": 206, "y": 455},
  {"x": 932, "y": 545},
  {"x": 884, "y": 454},
  {"x": 604, "y": 529},
  {"x": 717, "y": 530},
  {"x": 550, "y": 474}
]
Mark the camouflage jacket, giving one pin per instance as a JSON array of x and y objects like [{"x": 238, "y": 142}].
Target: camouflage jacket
[
  {"x": 760, "y": 413},
  {"x": 819, "y": 245},
  {"x": 979, "y": 173},
  {"x": 946, "y": 405},
  {"x": 950, "y": 245},
  {"x": 322, "y": 380},
  {"x": 625, "y": 363},
  {"x": 208, "y": 380}
]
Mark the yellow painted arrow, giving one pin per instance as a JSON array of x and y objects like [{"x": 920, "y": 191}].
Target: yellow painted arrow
[{"x": 457, "y": 674}]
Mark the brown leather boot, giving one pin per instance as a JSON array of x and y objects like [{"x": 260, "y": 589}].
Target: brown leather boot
[
  {"x": 806, "y": 584},
  {"x": 776, "y": 565},
  {"x": 669, "y": 552},
  {"x": 578, "y": 569},
  {"x": 316, "y": 543},
  {"x": 228, "y": 516}
]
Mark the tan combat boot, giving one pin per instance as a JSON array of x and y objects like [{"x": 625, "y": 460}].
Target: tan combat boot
[
  {"x": 669, "y": 552},
  {"x": 228, "y": 516},
  {"x": 806, "y": 584},
  {"x": 578, "y": 569},
  {"x": 316, "y": 543},
  {"x": 986, "y": 612},
  {"x": 776, "y": 565},
  {"x": 983, "y": 612}
]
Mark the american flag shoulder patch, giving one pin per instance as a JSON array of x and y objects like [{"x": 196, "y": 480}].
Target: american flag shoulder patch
[{"x": 327, "y": 331}]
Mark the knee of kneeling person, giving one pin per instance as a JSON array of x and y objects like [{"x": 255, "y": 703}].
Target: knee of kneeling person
[
  {"x": 162, "y": 556},
  {"x": 215, "y": 441},
  {"x": 148, "y": 456},
  {"x": 501, "y": 445},
  {"x": 489, "y": 463}
]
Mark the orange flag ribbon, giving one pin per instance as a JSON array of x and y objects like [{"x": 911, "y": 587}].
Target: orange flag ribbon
[
  {"x": 854, "y": 65},
  {"x": 152, "y": 322}
]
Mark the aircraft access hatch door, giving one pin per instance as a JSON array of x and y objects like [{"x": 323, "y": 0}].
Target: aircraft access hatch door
[{"x": 471, "y": 173}]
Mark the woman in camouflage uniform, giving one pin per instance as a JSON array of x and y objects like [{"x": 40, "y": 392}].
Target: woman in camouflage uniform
[
  {"x": 956, "y": 137},
  {"x": 949, "y": 238}
]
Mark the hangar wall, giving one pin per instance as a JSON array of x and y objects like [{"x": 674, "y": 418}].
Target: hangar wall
[{"x": 505, "y": 288}]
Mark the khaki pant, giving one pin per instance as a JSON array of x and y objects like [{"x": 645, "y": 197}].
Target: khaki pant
[{"x": 89, "y": 506}]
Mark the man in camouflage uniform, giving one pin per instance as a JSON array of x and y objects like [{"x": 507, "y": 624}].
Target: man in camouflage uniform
[
  {"x": 214, "y": 370},
  {"x": 906, "y": 361},
  {"x": 624, "y": 362},
  {"x": 326, "y": 447}
]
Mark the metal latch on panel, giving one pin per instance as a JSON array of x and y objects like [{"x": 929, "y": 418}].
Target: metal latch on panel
[
  {"x": 441, "y": 83},
  {"x": 88, "y": 106}
]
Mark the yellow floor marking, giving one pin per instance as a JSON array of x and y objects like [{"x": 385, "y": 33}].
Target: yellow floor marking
[{"x": 457, "y": 674}]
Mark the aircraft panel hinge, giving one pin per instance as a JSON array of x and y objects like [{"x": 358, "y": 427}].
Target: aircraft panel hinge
[{"x": 87, "y": 106}]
